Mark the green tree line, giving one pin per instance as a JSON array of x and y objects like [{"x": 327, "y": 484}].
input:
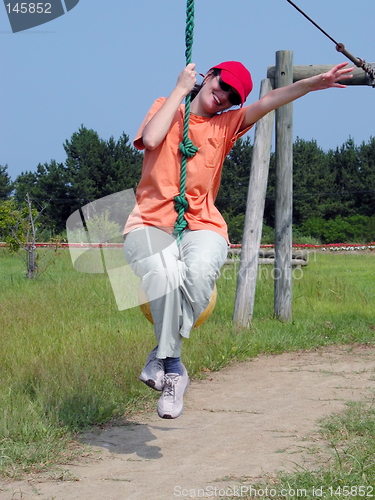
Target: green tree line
[
  {"x": 93, "y": 168},
  {"x": 333, "y": 192}
]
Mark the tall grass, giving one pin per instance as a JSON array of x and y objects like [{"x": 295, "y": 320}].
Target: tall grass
[{"x": 69, "y": 359}]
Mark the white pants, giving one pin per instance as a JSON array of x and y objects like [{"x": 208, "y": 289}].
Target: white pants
[{"x": 178, "y": 281}]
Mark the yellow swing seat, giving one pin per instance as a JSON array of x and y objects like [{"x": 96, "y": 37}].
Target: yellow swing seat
[{"x": 145, "y": 307}]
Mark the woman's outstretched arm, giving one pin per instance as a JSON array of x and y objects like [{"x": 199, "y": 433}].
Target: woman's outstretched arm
[{"x": 285, "y": 95}]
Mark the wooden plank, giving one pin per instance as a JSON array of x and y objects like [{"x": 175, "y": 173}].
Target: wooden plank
[
  {"x": 293, "y": 262},
  {"x": 270, "y": 252},
  {"x": 283, "y": 192},
  {"x": 265, "y": 260},
  {"x": 248, "y": 269}
]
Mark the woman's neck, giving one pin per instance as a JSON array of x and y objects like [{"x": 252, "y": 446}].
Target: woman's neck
[{"x": 197, "y": 109}]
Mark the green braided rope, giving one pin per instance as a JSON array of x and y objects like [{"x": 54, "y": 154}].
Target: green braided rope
[{"x": 186, "y": 147}]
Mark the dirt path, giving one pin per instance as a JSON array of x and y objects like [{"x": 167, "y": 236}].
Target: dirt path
[{"x": 246, "y": 421}]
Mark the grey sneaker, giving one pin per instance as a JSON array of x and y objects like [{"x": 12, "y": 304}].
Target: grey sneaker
[
  {"x": 153, "y": 371},
  {"x": 171, "y": 402}
]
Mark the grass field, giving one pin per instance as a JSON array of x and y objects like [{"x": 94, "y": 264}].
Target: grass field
[{"x": 69, "y": 359}]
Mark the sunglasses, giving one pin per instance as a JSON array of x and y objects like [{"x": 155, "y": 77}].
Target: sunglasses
[{"x": 234, "y": 98}]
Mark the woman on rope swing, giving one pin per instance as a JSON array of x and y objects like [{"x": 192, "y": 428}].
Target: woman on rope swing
[{"x": 179, "y": 273}]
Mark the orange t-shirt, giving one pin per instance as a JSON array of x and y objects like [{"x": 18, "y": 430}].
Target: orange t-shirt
[{"x": 161, "y": 172}]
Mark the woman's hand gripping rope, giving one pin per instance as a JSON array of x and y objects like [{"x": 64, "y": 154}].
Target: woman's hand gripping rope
[{"x": 187, "y": 79}]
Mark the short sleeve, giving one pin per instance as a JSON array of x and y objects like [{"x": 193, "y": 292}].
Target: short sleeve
[
  {"x": 234, "y": 120},
  {"x": 138, "y": 142}
]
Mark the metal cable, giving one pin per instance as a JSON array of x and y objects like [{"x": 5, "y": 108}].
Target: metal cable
[
  {"x": 313, "y": 22},
  {"x": 369, "y": 68}
]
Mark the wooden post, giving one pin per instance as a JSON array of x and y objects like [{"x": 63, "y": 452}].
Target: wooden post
[
  {"x": 248, "y": 269},
  {"x": 284, "y": 73},
  {"x": 284, "y": 192}
]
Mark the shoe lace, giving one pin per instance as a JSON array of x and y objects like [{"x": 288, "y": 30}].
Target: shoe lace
[
  {"x": 160, "y": 364},
  {"x": 170, "y": 386}
]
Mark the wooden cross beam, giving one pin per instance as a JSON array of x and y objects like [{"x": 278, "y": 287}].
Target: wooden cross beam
[{"x": 360, "y": 77}]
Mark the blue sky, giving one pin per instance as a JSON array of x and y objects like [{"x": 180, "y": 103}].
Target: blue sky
[{"x": 103, "y": 63}]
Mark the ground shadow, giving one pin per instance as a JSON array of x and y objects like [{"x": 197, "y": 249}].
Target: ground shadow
[{"x": 127, "y": 440}]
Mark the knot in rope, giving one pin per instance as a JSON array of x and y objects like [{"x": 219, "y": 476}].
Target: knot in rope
[
  {"x": 187, "y": 148},
  {"x": 181, "y": 204}
]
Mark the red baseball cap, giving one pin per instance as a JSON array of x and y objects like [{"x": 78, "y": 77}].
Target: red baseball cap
[{"x": 237, "y": 76}]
